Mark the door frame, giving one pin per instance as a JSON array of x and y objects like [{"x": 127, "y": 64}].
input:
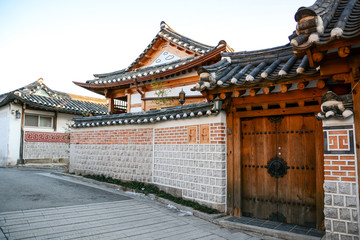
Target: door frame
[{"x": 233, "y": 119}]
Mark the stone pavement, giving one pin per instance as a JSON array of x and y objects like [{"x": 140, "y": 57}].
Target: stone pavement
[
  {"x": 140, "y": 217},
  {"x": 127, "y": 219}
]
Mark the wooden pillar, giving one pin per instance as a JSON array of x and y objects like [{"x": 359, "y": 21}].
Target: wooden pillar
[
  {"x": 128, "y": 95},
  {"x": 356, "y": 108},
  {"x": 319, "y": 146},
  {"x": 237, "y": 166},
  {"x": 230, "y": 161},
  {"x": 110, "y": 105}
]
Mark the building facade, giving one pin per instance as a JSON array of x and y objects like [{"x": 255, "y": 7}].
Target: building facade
[{"x": 36, "y": 123}]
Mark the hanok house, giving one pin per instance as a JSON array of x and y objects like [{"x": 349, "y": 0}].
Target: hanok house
[
  {"x": 34, "y": 121},
  {"x": 166, "y": 67},
  {"x": 179, "y": 148},
  {"x": 293, "y": 120}
]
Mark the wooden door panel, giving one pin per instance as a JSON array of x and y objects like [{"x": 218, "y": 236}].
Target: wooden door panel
[
  {"x": 296, "y": 193},
  {"x": 290, "y": 198},
  {"x": 258, "y": 186}
]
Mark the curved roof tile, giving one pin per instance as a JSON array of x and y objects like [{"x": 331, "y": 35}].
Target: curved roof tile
[
  {"x": 325, "y": 21},
  {"x": 187, "y": 111},
  {"x": 248, "y": 69}
]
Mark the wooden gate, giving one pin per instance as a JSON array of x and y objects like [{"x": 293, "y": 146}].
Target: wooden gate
[{"x": 278, "y": 168}]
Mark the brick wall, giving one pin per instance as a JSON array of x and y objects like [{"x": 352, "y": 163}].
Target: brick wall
[
  {"x": 158, "y": 153},
  {"x": 340, "y": 186}
]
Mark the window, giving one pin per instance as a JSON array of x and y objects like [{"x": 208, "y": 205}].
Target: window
[{"x": 38, "y": 121}]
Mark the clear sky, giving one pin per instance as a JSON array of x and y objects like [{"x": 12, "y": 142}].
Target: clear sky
[{"x": 69, "y": 40}]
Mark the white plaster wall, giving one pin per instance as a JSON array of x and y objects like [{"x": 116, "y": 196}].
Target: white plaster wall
[
  {"x": 14, "y": 135},
  {"x": 136, "y": 109},
  {"x": 62, "y": 121},
  {"x": 135, "y": 98},
  {"x": 174, "y": 92},
  {"x": 4, "y": 131}
]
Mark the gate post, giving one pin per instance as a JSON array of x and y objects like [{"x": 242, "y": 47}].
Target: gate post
[{"x": 341, "y": 204}]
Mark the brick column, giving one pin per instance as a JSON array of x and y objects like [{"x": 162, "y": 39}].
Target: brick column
[{"x": 340, "y": 180}]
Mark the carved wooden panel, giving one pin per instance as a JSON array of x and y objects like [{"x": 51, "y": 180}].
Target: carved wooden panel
[
  {"x": 204, "y": 134},
  {"x": 192, "y": 134}
]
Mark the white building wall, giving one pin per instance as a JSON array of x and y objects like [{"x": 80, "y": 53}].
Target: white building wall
[
  {"x": 14, "y": 135},
  {"x": 4, "y": 131}
]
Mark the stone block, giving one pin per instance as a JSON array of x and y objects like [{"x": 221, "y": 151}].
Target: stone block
[
  {"x": 339, "y": 226},
  {"x": 345, "y": 237},
  {"x": 345, "y": 188},
  {"x": 354, "y": 215},
  {"x": 354, "y": 189},
  {"x": 345, "y": 214},
  {"x": 327, "y": 223},
  {"x": 338, "y": 200},
  {"x": 350, "y": 201},
  {"x": 330, "y": 212},
  {"x": 353, "y": 228},
  {"x": 328, "y": 199},
  {"x": 330, "y": 187}
]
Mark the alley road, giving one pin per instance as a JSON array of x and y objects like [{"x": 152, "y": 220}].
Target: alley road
[{"x": 41, "y": 204}]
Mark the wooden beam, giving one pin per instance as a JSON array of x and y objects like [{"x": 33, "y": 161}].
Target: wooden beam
[
  {"x": 223, "y": 96},
  {"x": 154, "y": 48},
  {"x": 211, "y": 97},
  {"x": 285, "y": 111},
  {"x": 302, "y": 85},
  {"x": 317, "y": 56},
  {"x": 253, "y": 92},
  {"x": 238, "y": 93},
  {"x": 147, "y": 56},
  {"x": 268, "y": 90},
  {"x": 265, "y": 106},
  {"x": 321, "y": 84},
  {"x": 285, "y": 87},
  {"x": 309, "y": 93},
  {"x": 335, "y": 66},
  {"x": 343, "y": 52}
]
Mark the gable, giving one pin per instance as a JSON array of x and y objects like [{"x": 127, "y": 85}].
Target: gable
[{"x": 161, "y": 53}]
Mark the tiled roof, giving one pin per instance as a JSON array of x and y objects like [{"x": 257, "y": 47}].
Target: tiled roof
[
  {"x": 325, "y": 21},
  {"x": 249, "y": 69},
  {"x": 180, "y": 112},
  {"x": 51, "y": 100},
  {"x": 121, "y": 76},
  {"x": 166, "y": 33}
]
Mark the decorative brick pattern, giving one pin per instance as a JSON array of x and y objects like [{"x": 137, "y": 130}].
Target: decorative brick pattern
[
  {"x": 340, "y": 186},
  {"x": 338, "y": 140},
  {"x": 45, "y": 137},
  {"x": 46, "y": 150},
  {"x": 199, "y": 170}
]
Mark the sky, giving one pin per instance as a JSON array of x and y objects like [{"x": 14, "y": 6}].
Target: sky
[{"x": 63, "y": 41}]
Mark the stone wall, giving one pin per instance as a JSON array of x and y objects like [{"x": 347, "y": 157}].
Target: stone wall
[
  {"x": 341, "y": 184},
  {"x": 124, "y": 154},
  {"x": 159, "y": 153}
]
